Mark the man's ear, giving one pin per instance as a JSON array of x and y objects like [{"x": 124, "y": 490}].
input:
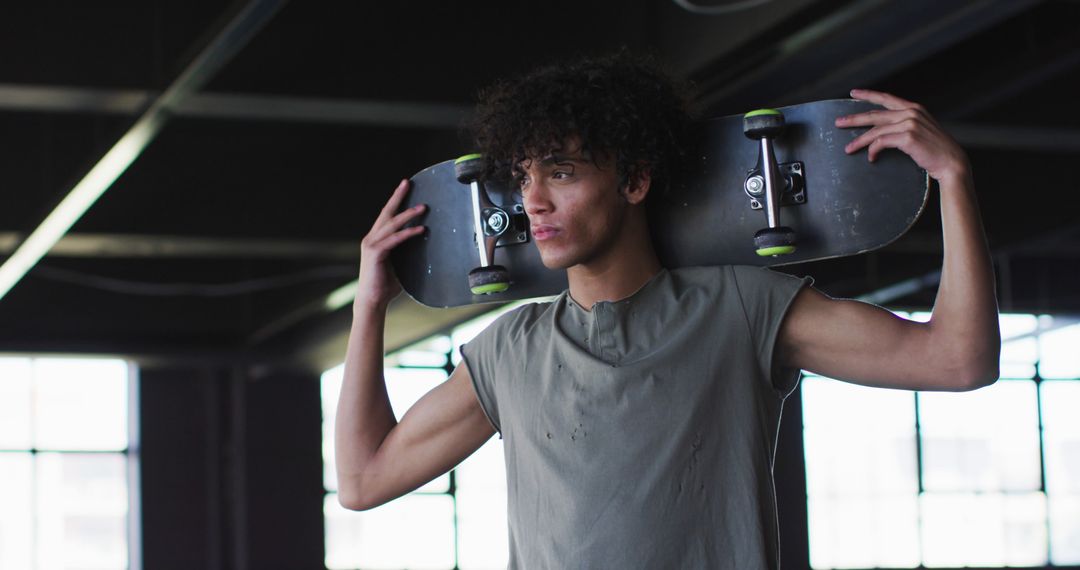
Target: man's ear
[{"x": 637, "y": 185}]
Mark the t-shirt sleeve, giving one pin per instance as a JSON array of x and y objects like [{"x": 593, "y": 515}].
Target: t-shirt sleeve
[
  {"x": 766, "y": 296},
  {"x": 481, "y": 356}
]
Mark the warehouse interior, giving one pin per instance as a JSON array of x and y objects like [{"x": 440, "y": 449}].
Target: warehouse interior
[{"x": 258, "y": 141}]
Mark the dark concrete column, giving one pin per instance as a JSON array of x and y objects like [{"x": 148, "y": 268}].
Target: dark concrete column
[
  {"x": 790, "y": 474},
  {"x": 230, "y": 468},
  {"x": 181, "y": 468},
  {"x": 283, "y": 503}
]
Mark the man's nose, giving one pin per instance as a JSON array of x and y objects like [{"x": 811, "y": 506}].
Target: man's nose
[{"x": 535, "y": 199}]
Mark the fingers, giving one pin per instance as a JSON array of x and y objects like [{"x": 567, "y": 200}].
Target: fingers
[
  {"x": 887, "y": 100},
  {"x": 895, "y": 126},
  {"x": 907, "y": 127},
  {"x": 377, "y": 283},
  {"x": 376, "y": 248},
  {"x": 394, "y": 202},
  {"x": 393, "y": 226},
  {"x": 875, "y": 118},
  {"x": 387, "y": 230},
  {"x": 389, "y": 217},
  {"x": 896, "y": 110},
  {"x": 869, "y": 136},
  {"x": 397, "y": 237},
  {"x": 879, "y": 138},
  {"x": 900, "y": 140},
  {"x": 893, "y": 136}
]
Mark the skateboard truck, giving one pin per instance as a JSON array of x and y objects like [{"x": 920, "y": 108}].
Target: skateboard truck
[
  {"x": 772, "y": 182},
  {"x": 490, "y": 222}
]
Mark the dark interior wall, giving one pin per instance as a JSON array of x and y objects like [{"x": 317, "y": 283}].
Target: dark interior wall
[{"x": 231, "y": 468}]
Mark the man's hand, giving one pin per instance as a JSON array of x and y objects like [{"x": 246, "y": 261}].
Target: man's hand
[
  {"x": 377, "y": 284},
  {"x": 908, "y": 127}
]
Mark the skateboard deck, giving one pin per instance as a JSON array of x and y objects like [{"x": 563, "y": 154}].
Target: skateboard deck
[{"x": 829, "y": 203}]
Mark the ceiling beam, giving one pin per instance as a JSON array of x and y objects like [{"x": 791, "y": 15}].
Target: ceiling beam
[
  {"x": 1006, "y": 80},
  {"x": 246, "y": 107},
  {"x": 691, "y": 42},
  {"x": 133, "y": 246},
  {"x": 854, "y": 46},
  {"x": 55, "y": 99},
  {"x": 221, "y": 49},
  {"x": 429, "y": 115},
  {"x": 1053, "y": 140},
  {"x": 432, "y": 115}
]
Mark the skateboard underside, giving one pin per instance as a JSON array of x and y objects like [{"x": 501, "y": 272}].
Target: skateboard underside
[{"x": 845, "y": 206}]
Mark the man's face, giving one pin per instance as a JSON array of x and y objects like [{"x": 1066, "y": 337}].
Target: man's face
[{"x": 573, "y": 204}]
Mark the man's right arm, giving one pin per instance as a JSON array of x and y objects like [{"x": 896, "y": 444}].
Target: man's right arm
[{"x": 379, "y": 458}]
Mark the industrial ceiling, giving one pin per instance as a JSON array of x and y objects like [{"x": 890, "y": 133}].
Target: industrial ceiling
[{"x": 273, "y": 133}]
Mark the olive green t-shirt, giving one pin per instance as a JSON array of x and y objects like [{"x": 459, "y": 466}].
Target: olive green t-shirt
[{"x": 641, "y": 434}]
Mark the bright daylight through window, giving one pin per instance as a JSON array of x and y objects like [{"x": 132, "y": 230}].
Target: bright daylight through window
[
  {"x": 64, "y": 463},
  {"x": 456, "y": 521},
  {"x": 988, "y": 478}
]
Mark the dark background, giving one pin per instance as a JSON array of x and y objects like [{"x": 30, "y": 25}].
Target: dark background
[{"x": 264, "y": 178}]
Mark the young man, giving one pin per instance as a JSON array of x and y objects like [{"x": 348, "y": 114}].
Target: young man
[{"x": 640, "y": 408}]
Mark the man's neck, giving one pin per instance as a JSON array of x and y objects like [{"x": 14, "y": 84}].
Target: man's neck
[
  {"x": 588, "y": 289},
  {"x": 616, "y": 276}
]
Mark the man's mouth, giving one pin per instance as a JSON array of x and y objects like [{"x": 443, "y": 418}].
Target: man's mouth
[{"x": 542, "y": 232}]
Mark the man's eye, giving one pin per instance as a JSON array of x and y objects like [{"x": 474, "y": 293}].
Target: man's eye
[
  {"x": 522, "y": 182},
  {"x": 559, "y": 175}
]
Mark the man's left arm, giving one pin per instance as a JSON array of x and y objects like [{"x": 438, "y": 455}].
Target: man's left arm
[{"x": 959, "y": 348}]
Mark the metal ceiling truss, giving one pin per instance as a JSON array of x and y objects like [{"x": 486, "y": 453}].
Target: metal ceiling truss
[
  {"x": 134, "y": 246},
  {"x": 221, "y": 49},
  {"x": 250, "y": 107},
  {"x": 448, "y": 116},
  {"x": 851, "y": 47}
]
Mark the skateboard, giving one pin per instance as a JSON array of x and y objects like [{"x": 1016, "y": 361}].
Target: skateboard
[{"x": 771, "y": 187}]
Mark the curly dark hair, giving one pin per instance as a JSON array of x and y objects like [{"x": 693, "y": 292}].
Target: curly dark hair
[{"x": 619, "y": 106}]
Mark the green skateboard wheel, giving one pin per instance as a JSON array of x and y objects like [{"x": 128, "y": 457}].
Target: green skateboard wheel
[
  {"x": 779, "y": 250},
  {"x": 763, "y": 123},
  {"x": 761, "y": 112},
  {"x": 488, "y": 280},
  {"x": 489, "y": 288},
  {"x": 468, "y": 168},
  {"x": 463, "y": 158},
  {"x": 775, "y": 241}
]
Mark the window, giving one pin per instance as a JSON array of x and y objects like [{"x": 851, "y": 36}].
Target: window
[
  {"x": 66, "y": 468},
  {"x": 899, "y": 479},
  {"x": 457, "y": 521}
]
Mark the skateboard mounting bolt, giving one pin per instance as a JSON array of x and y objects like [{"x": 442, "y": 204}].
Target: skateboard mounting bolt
[
  {"x": 496, "y": 221},
  {"x": 755, "y": 185}
]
